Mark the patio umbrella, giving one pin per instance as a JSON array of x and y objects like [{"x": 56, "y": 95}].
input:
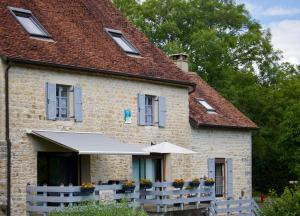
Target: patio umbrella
[{"x": 168, "y": 148}]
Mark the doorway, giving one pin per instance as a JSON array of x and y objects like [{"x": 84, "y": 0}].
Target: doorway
[{"x": 147, "y": 167}]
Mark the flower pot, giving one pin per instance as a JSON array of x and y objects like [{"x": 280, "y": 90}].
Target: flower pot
[
  {"x": 194, "y": 184},
  {"x": 146, "y": 186},
  {"x": 87, "y": 191},
  {"x": 209, "y": 184},
  {"x": 128, "y": 189},
  {"x": 178, "y": 185}
]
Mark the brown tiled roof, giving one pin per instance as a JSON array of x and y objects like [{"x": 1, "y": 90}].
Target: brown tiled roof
[
  {"x": 226, "y": 114},
  {"x": 77, "y": 28},
  {"x": 80, "y": 41}
]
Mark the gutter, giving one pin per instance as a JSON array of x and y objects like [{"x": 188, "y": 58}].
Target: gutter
[
  {"x": 7, "y": 138},
  {"x": 207, "y": 125},
  {"x": 102, "y": 71}
]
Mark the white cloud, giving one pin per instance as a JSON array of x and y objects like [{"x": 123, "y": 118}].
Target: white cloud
[
  {"x": 285, "y": 36},
  {"x": 280, "y": 11}
]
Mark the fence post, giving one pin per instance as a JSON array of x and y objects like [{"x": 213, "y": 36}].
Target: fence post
[
  {"x": 45, "y": 195},
  {"x": 164, "y": 198},
  {"x": 61, "y": 195},
  {"x": 136, "y": 192},
  {"x": 240, "y": 205},
  {"x": 157, "y": 198},
  {"x": 114, "y": 192},
  {"x": 198, "y": 196},
  {"x": 181, "y": 196},
  {"x": 28, "y": 203},
  {"x": 70, "y": 195},
  {"x": 228, "y": 206}
]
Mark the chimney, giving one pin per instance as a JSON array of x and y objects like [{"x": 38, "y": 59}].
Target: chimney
[{"x": 181, "y": 60}]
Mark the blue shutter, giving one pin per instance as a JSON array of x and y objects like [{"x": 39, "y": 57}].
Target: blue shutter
[
  {"x": 211, "y": 171},
  {"x": 51, "y": 101},
  {"x": 162, "y": 111},
  {"x": 229, "y": 178},
  {"x": 141, "y": 109},
  {"x": 77, "y": 104}
]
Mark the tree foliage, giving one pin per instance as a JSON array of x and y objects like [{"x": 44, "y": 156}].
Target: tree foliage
[
  {"x": 232, "y": 52},
  {"x": 287, "y": 204}
]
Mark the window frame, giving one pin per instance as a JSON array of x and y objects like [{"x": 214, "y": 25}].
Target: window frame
[
  {"x": 222, "y": 162},
  {"x": 116, "y": 33},
  {"x": 58, "y": 102},
  {"x": 152, "y": 105},
  {"x": 206, "y": 105},
  {"x": 27, "y": 13}
]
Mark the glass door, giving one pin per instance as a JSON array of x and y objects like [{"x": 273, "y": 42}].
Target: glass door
[{"x": 149, "y": 168}]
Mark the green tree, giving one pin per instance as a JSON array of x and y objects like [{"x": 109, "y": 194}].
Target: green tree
[{"x": 232, "y": 52}]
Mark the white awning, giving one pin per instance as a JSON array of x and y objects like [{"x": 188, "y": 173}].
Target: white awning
[
  {"x": 168, "y": 148},
  {"x": 89, "y": 143}
]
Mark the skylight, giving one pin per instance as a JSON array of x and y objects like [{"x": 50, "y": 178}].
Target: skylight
[
  {"x": 119, "y": 38},
  {"x": 206, "y": 105},
  {"x": 29, "y": 22}
]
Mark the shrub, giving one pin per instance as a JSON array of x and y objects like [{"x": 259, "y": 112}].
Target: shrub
[
  {"x": 288, "y": 204},
  {"x": 100, "y": 209}
]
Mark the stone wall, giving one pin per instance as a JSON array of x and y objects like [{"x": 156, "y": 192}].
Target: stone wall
[
  {"x": 104, "y": 99},
  {"x": 2, "y": 141},
  {"x": 222, "y": 143}
]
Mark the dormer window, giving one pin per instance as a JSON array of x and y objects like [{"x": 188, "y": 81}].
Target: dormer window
[
  {"x": 206, "y": 105},
  {"x": 120, "y": 39},
  {"x": 29, "y": 22}
]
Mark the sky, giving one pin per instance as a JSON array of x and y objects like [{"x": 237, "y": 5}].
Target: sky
[{"x": 282, "y": 17}]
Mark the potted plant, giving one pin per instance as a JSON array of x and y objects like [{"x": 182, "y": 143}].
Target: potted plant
[
  {"x": 145, "y": 184},
  {"x": 194, "y": 183},
  {"x": 178, "y": 183},
  {"x": 209, "y": 182},
  {"x": 128, "y": 186},
  {"x": 87, "y": 188}
]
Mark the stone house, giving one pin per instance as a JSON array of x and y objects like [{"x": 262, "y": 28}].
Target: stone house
[{"x": 82, "y": 92}]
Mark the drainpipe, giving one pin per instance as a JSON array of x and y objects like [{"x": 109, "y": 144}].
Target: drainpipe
[{"x": 8, "y": 141}]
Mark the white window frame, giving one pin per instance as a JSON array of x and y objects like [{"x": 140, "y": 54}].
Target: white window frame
[
  {"x": 116, "y": 33},
  {"x": 58, "y": 102},
  {"x": 206, "y": 105},
  {"x": 152, "y": 106},
  {"x": 20, "y": 12}
]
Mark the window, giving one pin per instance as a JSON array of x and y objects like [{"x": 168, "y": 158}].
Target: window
[
  {"x": 119, "y": 38},
  {"x": 29, "y": 22},
  {"x": 149, "y": 109},
  {"x": 58, "y": 102},
  {"x": 62, "y": 102},
  {"x": 220, "y": 176},
  {"x": 206, "y": 105}
]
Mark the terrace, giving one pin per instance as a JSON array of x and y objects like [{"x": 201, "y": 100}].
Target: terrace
[{"x": 162, "y": 197}]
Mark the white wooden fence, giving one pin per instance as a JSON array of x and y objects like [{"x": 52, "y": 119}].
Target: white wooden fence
[
  {"x": 240, "y": 207},
  {"x": 44, "y": 199}
]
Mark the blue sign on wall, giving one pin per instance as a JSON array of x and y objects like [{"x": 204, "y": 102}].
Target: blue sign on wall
[{"x": 127, "y": 116}]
